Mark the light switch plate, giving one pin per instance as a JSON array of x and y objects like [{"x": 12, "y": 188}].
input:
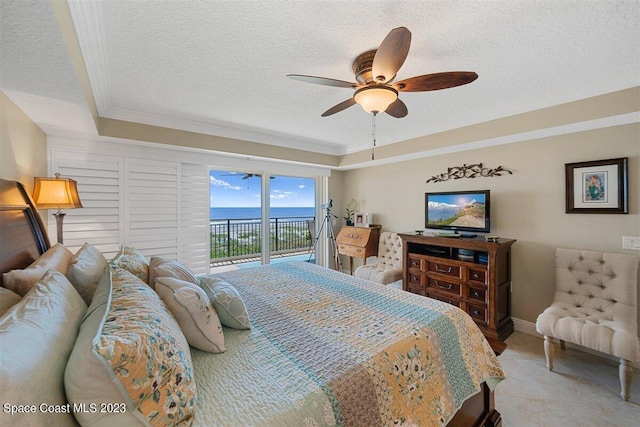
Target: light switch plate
[{"x": 629, "y": 242}]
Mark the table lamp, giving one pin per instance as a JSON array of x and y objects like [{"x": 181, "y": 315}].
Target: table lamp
[{"x": 56, "y": 193}]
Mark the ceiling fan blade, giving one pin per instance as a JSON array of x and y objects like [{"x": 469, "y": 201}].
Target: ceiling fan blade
[
  {"x": 435, "y": 81},
  {"x": 322, "y": 81},
  {"x": 337, "y": 108},
  {"x": 391, "y": 55},
  {"x": 397, "y": 109}
]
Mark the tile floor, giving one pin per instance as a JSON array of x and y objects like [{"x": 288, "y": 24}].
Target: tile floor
[{"x": 583, "y": 390}]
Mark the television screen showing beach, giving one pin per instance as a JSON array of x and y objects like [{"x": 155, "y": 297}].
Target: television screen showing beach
[{"x": 457, "y": 210}]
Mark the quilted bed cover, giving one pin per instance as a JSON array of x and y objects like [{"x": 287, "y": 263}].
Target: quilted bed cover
[{"x": 330, "y": 349}]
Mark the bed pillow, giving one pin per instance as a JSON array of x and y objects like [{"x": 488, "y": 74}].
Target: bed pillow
[
  {"x": 227, "y": 302},
  {"x": 163, "y": 267},
  {"x": 21, "y": 281},
  {"x": 131, "y": 354},
  {"x": 86, "y": 270},
  {"x": 37, "y": 335},
  {"x": 193, "y": 311},
  {"x": 7, "y": 300},
  {"x": 132, "y": 260}
]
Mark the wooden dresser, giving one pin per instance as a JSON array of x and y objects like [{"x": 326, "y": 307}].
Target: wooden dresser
[
  {"x": 358, "y": 242},
  {"x": 470, "y": 273}
]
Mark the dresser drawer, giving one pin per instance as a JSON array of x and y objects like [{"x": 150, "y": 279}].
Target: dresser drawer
[
  {"x": 445, "y": 286},
  {"x": 417, "y": 279},
  {"x": 478, "y": 275},
  {"x": 416, "y": 263},
  {"x": 478, "y": 313},
  {"x": 452, "y": 301},
  {"x": 417, "y": 288},
  {"x": 444, "y": 268},
  {"x": 477, "y": 295},
  {"x": 353, "y": 251}
]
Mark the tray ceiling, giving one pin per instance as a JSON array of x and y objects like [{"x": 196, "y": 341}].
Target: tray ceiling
[{"x": 219, "y": 67}]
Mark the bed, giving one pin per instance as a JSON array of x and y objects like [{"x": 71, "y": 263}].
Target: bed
[{"x": 324, "y": 348}]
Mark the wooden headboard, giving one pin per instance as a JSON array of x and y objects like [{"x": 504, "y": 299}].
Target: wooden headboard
[{"x": 22, "y": 234}]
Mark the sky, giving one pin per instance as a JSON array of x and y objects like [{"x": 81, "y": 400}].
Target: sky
[{"x": 229, "y": 189}]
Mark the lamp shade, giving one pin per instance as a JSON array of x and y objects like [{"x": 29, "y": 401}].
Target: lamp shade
[
  {"x": 56, "y": 193},
  {"x": 375, "y": 99}
]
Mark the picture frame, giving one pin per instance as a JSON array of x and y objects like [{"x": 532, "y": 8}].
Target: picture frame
[
  {"x": 361, "y": 219},
  {"x": 598, "y": 186}
]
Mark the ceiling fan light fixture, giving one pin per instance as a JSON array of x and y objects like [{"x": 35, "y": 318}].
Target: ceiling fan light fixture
[{"x": 375, "y": 99}]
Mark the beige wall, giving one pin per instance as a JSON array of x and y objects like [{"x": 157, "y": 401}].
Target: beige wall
[
  {"x": 23, "y": 145},
  {"x": 528, "y": 206}
]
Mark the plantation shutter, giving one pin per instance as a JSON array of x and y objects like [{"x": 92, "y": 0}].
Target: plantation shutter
[
  {"x": 151, "y": 210},
  {"x": 99, "y": 222},
  {"x": 194, "y": 218}
]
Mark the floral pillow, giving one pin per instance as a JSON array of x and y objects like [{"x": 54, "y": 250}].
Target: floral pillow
[
  {"x": 194, "y": 313},
  {"x": 132, "y": 260},
  {"x": 227, "y": 302},
  {"x": 131, "y": 355}
]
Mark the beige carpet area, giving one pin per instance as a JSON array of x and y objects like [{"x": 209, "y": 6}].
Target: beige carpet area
[{"x": 583, "y": 390}]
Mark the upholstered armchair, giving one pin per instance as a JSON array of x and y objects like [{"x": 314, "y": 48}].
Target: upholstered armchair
[
  {"x": 595, "y": 306},
  {"x": 388, "y": 266}
]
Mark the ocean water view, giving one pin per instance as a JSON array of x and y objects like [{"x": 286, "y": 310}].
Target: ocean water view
[{"x": 218, "y": 214}]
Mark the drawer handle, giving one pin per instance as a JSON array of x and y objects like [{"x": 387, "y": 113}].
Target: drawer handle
[
  {"x": 476, "y": 294},
  {"x": 476, "y": 276},
  {"x": 358, "y": 250},
  {"x": 450, "y": 285},
  {"x": 476, "y": 312},
  {"x": 442, "y": 270}
]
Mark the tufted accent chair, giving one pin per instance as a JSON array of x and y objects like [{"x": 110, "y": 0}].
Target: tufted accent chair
[
  {"x": 388, "y": 267},
  {"x": 595, "y": 306}
]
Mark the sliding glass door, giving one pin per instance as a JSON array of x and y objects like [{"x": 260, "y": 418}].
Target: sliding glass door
[
  {"x": 257, "y": 218},
  {"x": 291, "y": 217}
]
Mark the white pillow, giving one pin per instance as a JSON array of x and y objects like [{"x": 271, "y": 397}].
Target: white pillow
[
  {"x": 7, "y": 300},
  {"x": 21, "y": 281},
  {"x": 37, "y": 337},
  {"x": 227, "y": 302},
  {"x": 86, "y": 269},
  {"x": 193, "y": 311},
  {"x": 164, "y": 267}
]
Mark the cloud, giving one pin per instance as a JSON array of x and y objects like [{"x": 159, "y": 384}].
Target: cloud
[
  {"x": 301, "y": 186},
  {"x": 223, "y": 184},
  {"x": 277, "y": 194}
]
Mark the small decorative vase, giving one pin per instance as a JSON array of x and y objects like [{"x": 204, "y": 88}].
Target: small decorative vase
[{"x": 349, "y": 222}]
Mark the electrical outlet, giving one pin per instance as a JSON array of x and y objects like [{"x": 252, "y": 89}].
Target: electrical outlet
[{"x": 629, "y": 242}]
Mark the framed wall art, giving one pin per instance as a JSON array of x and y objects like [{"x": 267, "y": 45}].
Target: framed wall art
[{"x": 599, "y": 186}]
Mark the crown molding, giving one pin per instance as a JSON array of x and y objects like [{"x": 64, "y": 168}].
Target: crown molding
[
  {"x": 227, "y": 130},
  {"x": 87, "y": 20}
]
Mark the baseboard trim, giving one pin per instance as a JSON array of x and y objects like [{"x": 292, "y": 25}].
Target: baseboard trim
[{"x": 529, "y": 328}]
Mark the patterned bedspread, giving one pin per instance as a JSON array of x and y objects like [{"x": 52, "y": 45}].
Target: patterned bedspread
[{"x": 326, "y": 348}]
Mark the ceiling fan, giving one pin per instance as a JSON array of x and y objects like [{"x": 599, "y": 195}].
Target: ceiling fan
[
  {"x": 248, "y": 175},
  {"x": 375, "y": 70}
]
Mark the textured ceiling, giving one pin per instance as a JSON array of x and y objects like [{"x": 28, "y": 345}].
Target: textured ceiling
[{"x": 219, "y": 67}]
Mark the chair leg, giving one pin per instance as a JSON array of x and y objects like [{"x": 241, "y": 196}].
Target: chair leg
[
  {"x": 626, "y": 372},
  {"x": 548, "y": 351},
  {"x": 562, "y": 345}
]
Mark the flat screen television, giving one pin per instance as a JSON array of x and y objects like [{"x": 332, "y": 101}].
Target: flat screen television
[{"x": 458, "y": 211}]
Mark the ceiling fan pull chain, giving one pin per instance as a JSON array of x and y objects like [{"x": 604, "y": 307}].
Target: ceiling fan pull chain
[{"x": 373, "y": 135}]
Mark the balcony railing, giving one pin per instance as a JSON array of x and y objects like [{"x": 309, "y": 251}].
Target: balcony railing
[{"x": 235, "y": 239}]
